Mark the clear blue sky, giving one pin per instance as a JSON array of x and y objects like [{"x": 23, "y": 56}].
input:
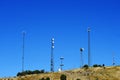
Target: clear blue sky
[{"x": 67, "y": 21}]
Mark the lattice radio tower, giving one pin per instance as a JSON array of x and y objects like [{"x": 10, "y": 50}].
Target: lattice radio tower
[{"x": 52, "y": 57}]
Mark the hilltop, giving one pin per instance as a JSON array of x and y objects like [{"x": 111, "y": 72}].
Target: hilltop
[{"x": 93, "y": 73}]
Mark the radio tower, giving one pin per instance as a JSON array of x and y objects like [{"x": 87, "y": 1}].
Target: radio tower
[
  {"x": 89, "y": 60},
  {"x": 61, "y": 65},
  {"x": 81, "y": 50},
  {"x": 23, "y": 51},
  {"x": 113, "y": 63},
  {"x": 52, "y": 57}
]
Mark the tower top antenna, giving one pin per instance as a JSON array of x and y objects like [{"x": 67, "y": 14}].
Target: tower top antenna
[
  {"x": 89, "y": 29},
  {"x": 81, "y": 49}
]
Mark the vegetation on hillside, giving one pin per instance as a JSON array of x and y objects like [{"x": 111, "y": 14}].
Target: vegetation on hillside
[
  {"x": 45, "y": 79},
  {"x": 96, "y": 65},
  {"x": 96, "y": 72},
  {"x": 29, "y": 72},
  {"x": 63, "y": 77}
]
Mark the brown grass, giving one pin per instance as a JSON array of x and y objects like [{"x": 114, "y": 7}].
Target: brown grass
[{"x": 98, "y": 73}]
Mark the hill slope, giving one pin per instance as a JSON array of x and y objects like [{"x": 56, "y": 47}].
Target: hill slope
[{"x": 98, "y": 73}]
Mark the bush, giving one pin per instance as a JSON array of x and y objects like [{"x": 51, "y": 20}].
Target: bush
[
  {"x": 96, "y": 65},
  {"x": 28, "y": 72},
  {"x": 86, "y": 66},
  {"x": 63, "y": 77},
  {"x": 47, "y": 78}
]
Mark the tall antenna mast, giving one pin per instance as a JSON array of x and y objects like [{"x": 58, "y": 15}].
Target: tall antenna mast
[
  {"x": 52, "y": 57},
  {"x": 61, "y": 65},
  {"x": 81, "y": 50},
  {"x": 23, "y": 50},
  {"x": 89, "y": 60},
  {"x": 113, "y": 59}
]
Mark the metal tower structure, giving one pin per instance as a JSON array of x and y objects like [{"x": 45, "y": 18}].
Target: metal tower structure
[
  {"x": 61, "y": 65},
  {"x": 113, "y": 63},
  {"x": 89, "y": 55},
  {"x": 23, "y": 50},
  {"x": 81, "y": 50},
  {"x": 52, "y": 57}
]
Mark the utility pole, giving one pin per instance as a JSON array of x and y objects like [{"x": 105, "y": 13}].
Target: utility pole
[
  {"x": 52, "y": 57},
  {"x": 23, "y": 50},
  {"x": 89, "y": 55}
]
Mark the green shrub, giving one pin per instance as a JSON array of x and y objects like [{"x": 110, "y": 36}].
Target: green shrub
[
  {"x": 96, "y": 65},
  {"x": 63, "y": 77},
  {"x": 47, "y": 78},
  {"x": 28, "y": 72},
  {"x": 42, "y": 79},
  {"x": 86, "y": 66}
]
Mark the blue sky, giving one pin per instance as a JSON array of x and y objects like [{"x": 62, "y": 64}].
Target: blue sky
[{"x": 65, "y": 20}]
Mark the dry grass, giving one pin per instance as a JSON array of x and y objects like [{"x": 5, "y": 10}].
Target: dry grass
[{"x": 98, "y": 73}]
